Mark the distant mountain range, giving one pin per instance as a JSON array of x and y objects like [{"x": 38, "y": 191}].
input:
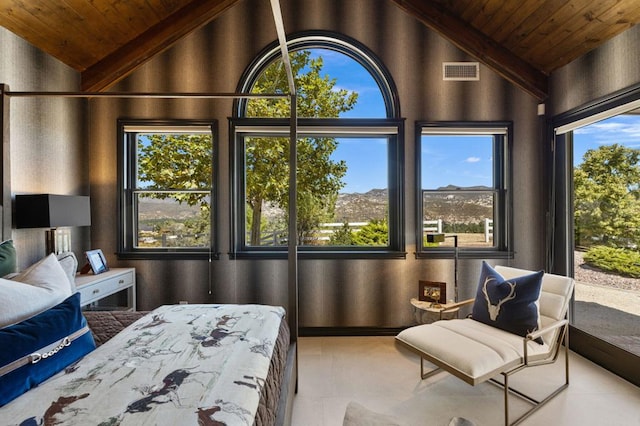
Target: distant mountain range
[
  {"x": 459, "y": 205},
  {"x": 154, "y": 209},
  {"x": 362, "y": 207}
]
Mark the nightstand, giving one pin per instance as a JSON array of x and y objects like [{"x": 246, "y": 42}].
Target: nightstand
[{"x": 94, "y": 289}]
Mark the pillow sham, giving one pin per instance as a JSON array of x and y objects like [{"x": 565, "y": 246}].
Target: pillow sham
[
  {"x": 34, "y": 290},
  {"x": 41, "y": 346},
  {"x": 7, "y": 258},
  {"x": 46, "y": 273},
  {"x": 511, "y": 305},
  {"x": 69, "y": 264}
]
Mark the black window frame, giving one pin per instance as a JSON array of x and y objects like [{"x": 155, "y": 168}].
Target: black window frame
[
  {"x": 395, "y": 150},
  {"x": 560, "y": 234},
  {"x": 329, "y": 40},
  {"x": 318, "y": 39},
  {"x": 127, "y": 167},
  {"x": 502, "y": 171}
]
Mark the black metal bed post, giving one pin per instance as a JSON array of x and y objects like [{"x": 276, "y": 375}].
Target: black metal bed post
[
  {"x": 455, "y": 268},
  {"x": 292, "y": 248},
  {"x": 5, "y": 162},
  {"x": 293, "y": 240},
  {"x": 293, "y": 219}
]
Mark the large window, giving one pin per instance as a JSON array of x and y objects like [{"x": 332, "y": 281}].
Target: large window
[
  {"x": 349, "y": 154},
  {"x": 596, "y": 232},
  {"x": 348, "y": 188},
  {"x": 462, "y": 184},
  {"x": 167, "y": 189},
  {"x": 606, "y": 230}
]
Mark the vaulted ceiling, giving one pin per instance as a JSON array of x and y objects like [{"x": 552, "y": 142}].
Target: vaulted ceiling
[{"x": 522, "y": 40}]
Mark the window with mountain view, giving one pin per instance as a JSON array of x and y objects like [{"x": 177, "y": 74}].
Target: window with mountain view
[
  {"x": 462, "y": 185},
  {"x": 348, "y": 151},
  {"x": 167, "y": 187}
]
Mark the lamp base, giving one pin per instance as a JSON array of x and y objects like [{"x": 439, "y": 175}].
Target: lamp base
[
  {"x": 58, "y": 240},
  {"x": 435, "y": 238}
]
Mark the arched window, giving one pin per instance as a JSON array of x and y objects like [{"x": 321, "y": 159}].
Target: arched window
[{"x": 349, "y": 152}]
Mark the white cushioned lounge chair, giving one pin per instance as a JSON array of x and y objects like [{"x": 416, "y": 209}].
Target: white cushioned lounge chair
[{"x": 476, "y": 352}]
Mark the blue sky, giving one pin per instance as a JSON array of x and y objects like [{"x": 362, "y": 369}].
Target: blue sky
[
  {"x": 622, "y": 129},
  {"x": 366, "y": 158},
  {"x": 457, "y": 160},
  {"x": 470, "y": 156}
]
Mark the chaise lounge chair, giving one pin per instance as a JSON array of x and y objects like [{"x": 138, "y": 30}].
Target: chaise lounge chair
[{"x": 476, "y": 351}]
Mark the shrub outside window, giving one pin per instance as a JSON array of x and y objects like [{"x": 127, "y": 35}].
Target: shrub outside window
[
  {"x": 462, "y": 182},
  {"x": 167, "y": 189}
]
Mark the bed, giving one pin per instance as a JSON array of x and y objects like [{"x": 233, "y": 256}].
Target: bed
[{"x": 178, "y": 364}]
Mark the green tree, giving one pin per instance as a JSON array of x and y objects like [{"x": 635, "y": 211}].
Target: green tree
[
  {"x": 311, "y": 211},
  {"x": 178, "y": 162},
  {"x": 606, "y": 196},
  {"x": 266, "y": 159},
  {"x": 374, "y": 233},
  {"x": 342, "y": 236}
]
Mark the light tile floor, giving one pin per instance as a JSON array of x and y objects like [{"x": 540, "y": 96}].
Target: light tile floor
[{"x": 384, "y": 377}]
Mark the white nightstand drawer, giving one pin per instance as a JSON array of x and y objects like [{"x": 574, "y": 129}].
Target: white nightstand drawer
[{"x": 95, "y": 287}]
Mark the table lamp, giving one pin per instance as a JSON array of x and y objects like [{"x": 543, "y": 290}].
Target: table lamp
[{"x": 53, "y": 211}]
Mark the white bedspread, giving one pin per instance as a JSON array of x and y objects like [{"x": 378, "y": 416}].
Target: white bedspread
[{"x": 179, "y": 365}]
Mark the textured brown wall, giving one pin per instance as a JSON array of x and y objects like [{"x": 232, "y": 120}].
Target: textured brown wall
[
  {"x": 612, "y": 67},
  {"x": 47, "y": 137},
  {"x": 333, "y": 293}
]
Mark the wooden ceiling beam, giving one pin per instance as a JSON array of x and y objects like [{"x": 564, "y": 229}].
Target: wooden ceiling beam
[
  {"x": 118, "y": 64},
  {"x": 478, "y": 45}
]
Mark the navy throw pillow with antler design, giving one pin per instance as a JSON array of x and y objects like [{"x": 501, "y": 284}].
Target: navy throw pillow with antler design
[{"x": 509, "y": 304}]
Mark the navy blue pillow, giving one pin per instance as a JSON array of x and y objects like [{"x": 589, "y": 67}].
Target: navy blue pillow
[
  {"x": 58, "y": 337},
  {"x": 511, "y": 305}
]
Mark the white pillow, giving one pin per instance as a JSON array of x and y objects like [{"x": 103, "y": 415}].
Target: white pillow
[
  {"x": 38, "y": 288},
  {"x": 46, "y": 273},
  {"x": 69, "y": 264}
]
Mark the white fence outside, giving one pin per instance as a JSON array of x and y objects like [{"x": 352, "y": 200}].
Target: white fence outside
[
  {"x": 435, "y": 225},
  {"x": 432, "y": 226},
  {"x": 326, "y": 230},
  {"x": 488, "y": 229}
]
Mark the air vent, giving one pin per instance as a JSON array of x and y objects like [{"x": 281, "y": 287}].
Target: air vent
[{"x": 461, "y": 71}]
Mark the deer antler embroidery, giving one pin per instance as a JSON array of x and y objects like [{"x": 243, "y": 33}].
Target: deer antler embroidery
[{"x": 494, "y": 310}]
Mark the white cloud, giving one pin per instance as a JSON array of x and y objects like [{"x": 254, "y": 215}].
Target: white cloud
[
  {"x": 472, "y": 160},
  {"x": 624, "y": 130}
]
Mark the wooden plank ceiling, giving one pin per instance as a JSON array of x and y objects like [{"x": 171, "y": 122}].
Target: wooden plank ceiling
[{"x": 522, "y": 40}]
